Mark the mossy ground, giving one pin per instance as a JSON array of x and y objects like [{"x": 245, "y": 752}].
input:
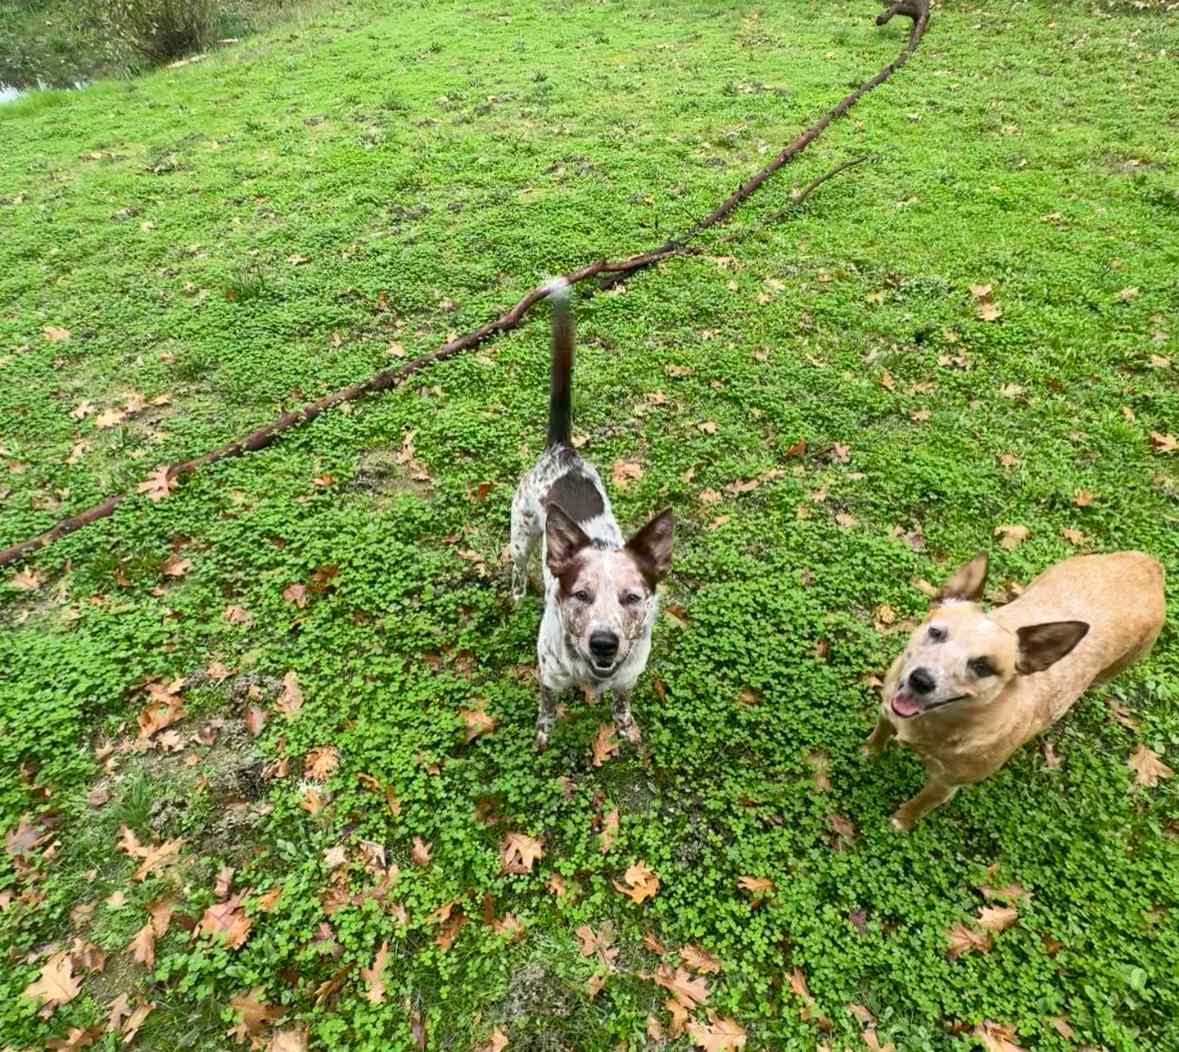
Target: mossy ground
[{"x": 253, "y": 230}]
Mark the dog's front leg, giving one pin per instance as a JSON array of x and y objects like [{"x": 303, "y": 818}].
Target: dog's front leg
[
  {"x": 933, "y": 794},
  {"x": 878, "y": 739},
  {"x": 546, "y": 717},
  {"x": 623, "y": 720}
]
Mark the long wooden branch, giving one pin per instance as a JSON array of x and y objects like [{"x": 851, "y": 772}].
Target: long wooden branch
[{"x": 917, "y": 10}]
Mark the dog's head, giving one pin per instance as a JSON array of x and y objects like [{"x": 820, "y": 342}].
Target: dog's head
[
  {"x": 959, "y": 656},
  {"x": 606, "y": 595}
]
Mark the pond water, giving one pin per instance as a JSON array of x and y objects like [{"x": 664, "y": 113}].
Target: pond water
[{"x": 10, "y": 93}]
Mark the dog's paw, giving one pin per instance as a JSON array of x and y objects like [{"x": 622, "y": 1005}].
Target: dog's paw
[
  {"x": 900, "y": 823},
  {"x": 630, "y": 731},
  {"x": 870, "y": 752}
]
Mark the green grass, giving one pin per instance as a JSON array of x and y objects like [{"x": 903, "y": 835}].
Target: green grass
[{"x": 251, "y": 231}]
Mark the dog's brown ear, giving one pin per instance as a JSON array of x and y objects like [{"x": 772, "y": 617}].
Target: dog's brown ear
[
  {"x": 1044, "y": 645},
  {"x": 563, "y": 539},
  {"x": 651, "y": 547},
  {"x": 966, "y": 583}
]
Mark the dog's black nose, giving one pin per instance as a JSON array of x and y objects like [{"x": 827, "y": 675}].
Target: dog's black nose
[
  {"x": 603, "y": 646},
  {"x": 921, "y": 681}
]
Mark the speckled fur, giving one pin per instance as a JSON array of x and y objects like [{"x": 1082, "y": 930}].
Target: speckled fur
[{"x": 583, "y": 555}]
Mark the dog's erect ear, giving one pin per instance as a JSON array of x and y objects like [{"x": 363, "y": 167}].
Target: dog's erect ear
[
  {"x": 1044, "y": 645},
  {"x": 563, "y": 539},
  {"x": 651, "y": 547},
  {"x": 966, "y": 583}
]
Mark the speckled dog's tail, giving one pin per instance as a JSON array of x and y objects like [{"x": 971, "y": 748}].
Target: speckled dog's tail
[{"x": 561, "y": 382}]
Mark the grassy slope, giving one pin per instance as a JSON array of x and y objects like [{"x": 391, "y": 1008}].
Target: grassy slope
[{"x": 462, "y": 152}]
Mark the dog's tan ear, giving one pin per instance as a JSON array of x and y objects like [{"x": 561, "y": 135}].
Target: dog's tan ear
[
  {"x": 1044, "y": 645},
  {"x": 651, "y": 547},
  {"x": 563, "y": 539},
  {"x": 966, "y": 583}
]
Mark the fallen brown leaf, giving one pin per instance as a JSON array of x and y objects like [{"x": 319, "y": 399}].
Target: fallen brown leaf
[
  {"x": 374, "y": 976},
  {"x": 55, "y": 985},
  {"x": 518, "y": 852},
  {"x": 963, "y": 939},
  {"x": 640, "y": 882},
  {"x": 1148, "y": 767},
  {"x": 625, "y": 471},
  {"x": 997, "y": 918},
  {"x": 699, "y": 960},
  {"x": 1012, "y": 536},
  {"x": 721, "y": 1034},
  {"x": 604, "y": 744}
]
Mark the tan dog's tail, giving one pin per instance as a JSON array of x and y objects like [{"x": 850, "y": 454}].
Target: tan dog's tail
[{"x": 561, "y": 382}]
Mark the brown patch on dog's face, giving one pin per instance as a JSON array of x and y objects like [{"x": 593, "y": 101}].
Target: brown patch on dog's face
[
  {"x": 958, "y": 655},
  {"x": 606, "y": 606},
  {"x": 606, "y": 596}
]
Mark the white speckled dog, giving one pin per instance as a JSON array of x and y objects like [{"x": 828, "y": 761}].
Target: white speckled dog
[{"x": 600, "y": 600}]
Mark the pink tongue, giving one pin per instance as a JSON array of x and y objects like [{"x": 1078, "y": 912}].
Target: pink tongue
[{"x": 904, "y": 704}]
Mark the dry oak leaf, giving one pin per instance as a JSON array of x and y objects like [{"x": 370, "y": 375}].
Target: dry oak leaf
[
  {"x": 135, "y": 1021},
  {"x": 997, "y": 1038},
  {"x": 237, "y": 615},
  {"x": 688, "y": 990},
  {"x": 759, "y": 887},
  {"x": 597, "y": 942},
  {"x": 641, "y": 882},
  {"x": 518, "y": 851},
  {"x": 1083, "y": 498},
  {"x": 154, "y": 857},
  {"x": 699, "y": 960},
  {"x": 1075, "y": 537},
  {"x": 624, "y": 471},
  {"x": 76, "y": 1039},
  {"x": 25, "y": 580},
  {"x": 609, "y": 831},
  {"x": 1005, "y": 893},
  {"x": 963, "y": 939},
  {"x": 1148, "y": 768},
  {"x": 1012, "y": 536},
  {"x": 421, "y": 852},
  {"x": 86, "y": 956},
  {"x": 158, "y": 484},
  {"x": 988, "y": 311},
  {"x": 373, "y": 976},
  {"x": 556, "y": 884},
  {"x": 594, "y": 984},
  {"x": 175, "y": 566},
  {"x": 229, "y": 919},
  {"x": 255, "y": 719},
  {"x": 55, "y": 985},
  {"x": 297, "y": 594},
  {"x": 290, "y": 700},
  {"x": 476, "y": 722},
  {"x": 997, "y": 918},
  {"x": 604, "y": 744},
  {"x": 160, "y": 910},
  {"x": 496, "y": 1043},
  {"x": 254, "y": 1014},
  {"x": 143, "y": 946},
  {"x": 119, "y": 1009},
  {"x": 55, "y": 333},
  {"x": 109, "y": 418},
  {"x": 720, "y": 1035},
  {"x": 679, "y": 1016},
  {"x": 321, "y": 762},
  {"x": 293, "y": 1040},
  {"x": 1164, "y": 443}
]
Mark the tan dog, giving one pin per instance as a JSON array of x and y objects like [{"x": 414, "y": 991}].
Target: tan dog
[{"x": 972, "y": 687}]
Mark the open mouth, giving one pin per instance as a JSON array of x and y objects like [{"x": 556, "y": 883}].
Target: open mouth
[
  {"x": 602, "y": 670},
  {"x": 907, "y": 706}
]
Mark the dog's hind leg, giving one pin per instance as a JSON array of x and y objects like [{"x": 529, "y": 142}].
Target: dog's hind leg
[
  {"x": 525, "y": 534},
  {"x": 546, "y": 717},
  {"x": 623, "y": 720}
]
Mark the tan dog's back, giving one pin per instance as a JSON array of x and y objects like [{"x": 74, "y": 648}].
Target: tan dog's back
[{"x": 1122, "y": 599}]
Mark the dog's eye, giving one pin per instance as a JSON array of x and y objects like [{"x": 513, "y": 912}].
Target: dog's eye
[
  {"x": 582, "y": 596},
  {"x": 936, "y": 635},
  {"x": 630, "y": 599},
  {"x": 981, "y": 667}
]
